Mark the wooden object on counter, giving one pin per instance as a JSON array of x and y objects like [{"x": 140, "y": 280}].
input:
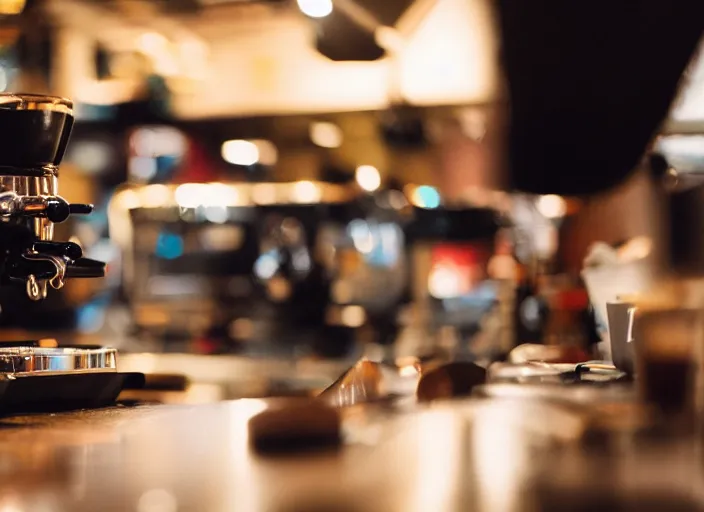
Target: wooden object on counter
[
  {"x": 293, "y": 425},
  {"x": 450, "y": 380}
]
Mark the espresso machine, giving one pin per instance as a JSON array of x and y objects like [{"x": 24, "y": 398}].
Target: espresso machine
[
  {"x": 232, "y": 266},
  {"x": 41, "y": 375}
]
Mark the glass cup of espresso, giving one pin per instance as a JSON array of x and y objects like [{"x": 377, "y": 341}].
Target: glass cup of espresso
[{"x": 666, "y": 342}]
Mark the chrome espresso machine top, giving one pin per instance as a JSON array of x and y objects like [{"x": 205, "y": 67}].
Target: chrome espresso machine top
[{"x": 34, "y": 133}]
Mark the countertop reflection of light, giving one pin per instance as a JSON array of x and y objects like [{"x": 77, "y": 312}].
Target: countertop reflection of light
[
  {"x": 326, "y": 135},
  {"x": 368, "y": 177},
  {"x": 306, "y": 192},
  {"x": 551, "y": 206},
  {"x": 3, "y": 79},
  {"x": 240, "y": 152},
  {"x": 157, "y": 500},
  {"x": 440, "y": 444},
  {"x": 315, "y": 8},
  {"x": 425, "y": 197},
  {"x": 11, "y": 506},
  {"x": 389, "y": 39}
]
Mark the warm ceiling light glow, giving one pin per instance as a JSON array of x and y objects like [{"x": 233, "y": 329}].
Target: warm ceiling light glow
[
  {"x": 127, "y": 200},
  {"x": 637, "y": 248},
  {"x": 12, "y": 6},
  {"x": 220, "y": 194},
  {"x": 240, "y": 152},
  {"x": 158, "y": 141},
  {"x": 268, "y": 154},
  {"x": 326, "y": 135},
  {"x": 191, "y": 195},
  {"x": 306, "y": 192},
  {"x": 444, "y": 282},
  {"x": 551, "y": 206},
  {"x": 389, "y": 39},
  {"x": 368, "y": 177},
  {"x": 315, "y": 8},
  {"x": 353, "y": 316},
  {"x": 264, "y": 193},
  {"x": 152, "y": 43},
  {"x": 155, "y": 196}
]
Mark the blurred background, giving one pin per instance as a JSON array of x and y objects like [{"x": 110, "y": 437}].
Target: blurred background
[{"x": 306, "y": 179}]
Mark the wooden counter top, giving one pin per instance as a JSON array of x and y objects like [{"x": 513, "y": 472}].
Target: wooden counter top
[{"x": 489, "y": 455}]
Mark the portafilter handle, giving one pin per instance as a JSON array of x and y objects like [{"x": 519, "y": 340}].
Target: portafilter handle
[{"x": 37, "y": 270}]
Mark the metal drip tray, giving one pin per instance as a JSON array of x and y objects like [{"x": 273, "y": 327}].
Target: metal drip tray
[
  {"x": 28, "y": 361},
  {"x": 50, "y": 379}
]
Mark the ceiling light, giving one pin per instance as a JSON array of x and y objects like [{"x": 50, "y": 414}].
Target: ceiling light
[
  {"x": 551, "y": 206},
  {"x": 315, "y": 8},
  {"x": 306, "y": 192},
  {"x": 368, "y": 177},
  {"x": 155, "y": 196},
  {"x": 268, "y": 154},
  {"x": 12, "y": 6},
  {"x": 191, "y": 195},
  {"x": 326, "y": 135},
  {"x": 240, "y": 152}
]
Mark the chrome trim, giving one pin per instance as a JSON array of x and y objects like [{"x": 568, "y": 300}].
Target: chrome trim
[
  {"x": 12, "y": 101},
  {"x": 47, "y": 185},
  {"x": 35, "y": 187},
  {"x": 28, "y": 361}
]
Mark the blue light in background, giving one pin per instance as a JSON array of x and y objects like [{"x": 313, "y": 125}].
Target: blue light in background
[
  {"x": 90, "y": 317},
  {"x": 169, "y": 246},
  {"x": 267, "y": 265},
  {"x": 428, "y": 197}
]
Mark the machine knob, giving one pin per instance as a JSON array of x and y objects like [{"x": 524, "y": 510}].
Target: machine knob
[{"x": 58, "y": 210}]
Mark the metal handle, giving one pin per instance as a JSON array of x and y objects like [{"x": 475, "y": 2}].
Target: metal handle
[
  {"x": 57, "y": 281},
  {"x": 54, "y": 208}
]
